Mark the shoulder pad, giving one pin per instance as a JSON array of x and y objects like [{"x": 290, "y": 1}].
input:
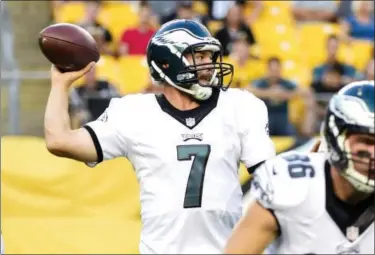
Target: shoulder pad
[
  {"x": 283, "y": 182},
  {"x": 120, "y": 107},
  {"x": 243, "y": 94},
  {"x": 248, "y": 106}
]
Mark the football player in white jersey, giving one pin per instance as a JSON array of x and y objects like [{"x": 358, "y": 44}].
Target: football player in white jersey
[
  {"x": 186, "y": 144},
  {"x": 318, "y": 203}
]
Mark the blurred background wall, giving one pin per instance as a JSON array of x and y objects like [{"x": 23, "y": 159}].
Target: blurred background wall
[{"x": 23, "y": 95}]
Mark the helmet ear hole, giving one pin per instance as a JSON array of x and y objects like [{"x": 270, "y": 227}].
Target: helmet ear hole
[{"x": 163, "y": 63}]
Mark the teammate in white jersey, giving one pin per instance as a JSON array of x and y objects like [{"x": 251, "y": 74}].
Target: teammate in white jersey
[
  {"x": 185, "y": 144},
  {"x": 318, "y": 203}
]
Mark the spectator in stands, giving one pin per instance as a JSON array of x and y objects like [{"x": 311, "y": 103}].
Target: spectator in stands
[
  {"x": 184, "y": 10},
  {"x": 162, "y": 8},
  {"x": 324, "y": 88},
  {"x": 344, "y": 9},
  {"x": 218, "y": 10},
  {"x": 331, "y": 80},
  {"x": 134, "y": 40},
  {"x": 360, "y": 25},
  {"x": 88, "y": 102},
  {"x": 234, "y": 27},
  {"x": 368, "y": 73},
  {"x": 314, "y": 11},
  {"x": 276, "y": 92},
  {"x": 99, "y": 35},
  {"x": 247, "y": 67},
  {"x": 90, "y": 20},
  {"x": 256, "y": 9},
  {"x": 348, "y": 73},
  {"x": 56, "y": 4}
]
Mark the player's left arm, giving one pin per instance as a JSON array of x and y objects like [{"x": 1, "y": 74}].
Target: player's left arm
[
  {"x": 256, "y": 143},
  {"x": 254, "y": 232},
  {"x": 259, "y": 226}
]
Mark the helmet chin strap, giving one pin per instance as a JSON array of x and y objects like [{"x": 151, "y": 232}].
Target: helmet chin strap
[{"x": 203, "y": 93}]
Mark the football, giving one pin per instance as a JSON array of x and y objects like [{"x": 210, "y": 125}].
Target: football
[{"x": 69, "y": 47}]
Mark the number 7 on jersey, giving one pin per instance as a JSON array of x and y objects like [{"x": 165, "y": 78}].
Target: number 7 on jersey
[{"x": 194, "y": 188}]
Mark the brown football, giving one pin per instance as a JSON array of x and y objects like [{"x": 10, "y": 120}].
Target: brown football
[{"x": 69, "y": 47}]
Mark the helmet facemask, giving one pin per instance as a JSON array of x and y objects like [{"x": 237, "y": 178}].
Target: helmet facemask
[
  {"x": 219, "y": 76},
  {"x": 361, "y": 180},
  {"x": 218, "y": 69}
]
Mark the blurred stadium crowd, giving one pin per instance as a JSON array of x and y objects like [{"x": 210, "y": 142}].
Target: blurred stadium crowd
[{"x": 292, "y": 54}]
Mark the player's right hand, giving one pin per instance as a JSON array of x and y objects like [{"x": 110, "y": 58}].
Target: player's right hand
[{"x": 59, "y": 78}]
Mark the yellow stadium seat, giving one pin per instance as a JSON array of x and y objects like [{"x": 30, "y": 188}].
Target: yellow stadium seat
[
  {"x": 70, "y": 12},
  {"x": 133, "y": 73},
  {"x": 200, "y": 8},
  {"x": 276, "y": 40},
  {"x": 297, "y": 72},
  {"x": 279, "y": 4},
  {"x": 244, "y": 75},
  {"x": 296, "y": 112},
  {"x": 357, "y": 54},
  {"x": 117, "y": 17},
  {"x": 301, "y": 75},
  {"x": 255, "y": 50},
  {"x": 277, "y": 12},
  {"x": 315, "y": 49},
  {"x": 214, "y": 25},
  {"x": 107, "y": 69}
]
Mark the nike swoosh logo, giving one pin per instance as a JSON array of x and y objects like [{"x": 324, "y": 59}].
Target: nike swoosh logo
[{"x": 274, "y": 171}]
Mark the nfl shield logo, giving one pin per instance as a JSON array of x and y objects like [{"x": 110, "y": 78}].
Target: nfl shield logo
[
  {"x": 352, "y": 233},
  {"x": 190, "y": 122}
]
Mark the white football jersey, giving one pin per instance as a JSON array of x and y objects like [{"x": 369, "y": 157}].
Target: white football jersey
[
  {"x": 2, "y": 244},
  {"x": 186, "y": 163},
  {"x": 297, "y": 189}
]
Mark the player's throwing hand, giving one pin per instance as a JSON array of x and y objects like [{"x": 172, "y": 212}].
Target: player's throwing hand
[{"x": 66, "y": 79}]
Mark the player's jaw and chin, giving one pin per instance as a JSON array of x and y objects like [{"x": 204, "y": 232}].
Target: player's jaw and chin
[{"x": 360, "y": 159}]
